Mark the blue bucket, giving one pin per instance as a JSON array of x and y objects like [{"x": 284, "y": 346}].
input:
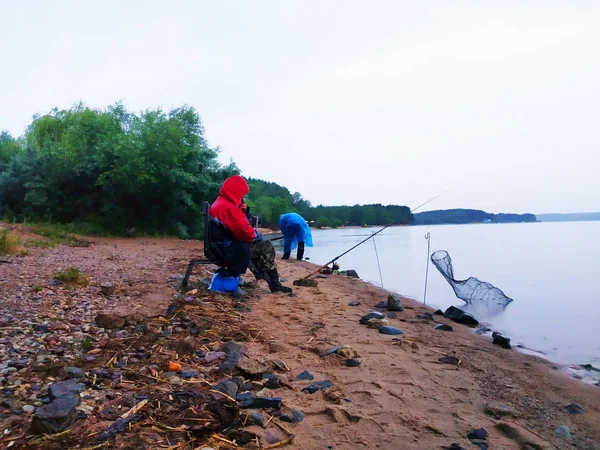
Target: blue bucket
[{"x": 220, "y": 283}]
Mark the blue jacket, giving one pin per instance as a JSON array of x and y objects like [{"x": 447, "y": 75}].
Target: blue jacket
[{"x": 294, "y": 229}]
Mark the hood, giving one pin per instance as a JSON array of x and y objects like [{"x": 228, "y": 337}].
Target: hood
[{"x": 234, "y": 188}]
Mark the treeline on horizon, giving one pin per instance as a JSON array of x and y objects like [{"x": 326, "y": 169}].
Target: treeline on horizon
[
  {"x": 463, "y": 216},
  {"x": 111, "y": 169}
]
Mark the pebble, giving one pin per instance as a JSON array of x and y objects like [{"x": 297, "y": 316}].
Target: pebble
[
  {"x": 574, "y": 408},
  {"x": 305, "y": 375},
  {"x": 443, "y": 327},
  {"x": 562, "y": 431},
  {"x": 318, "y": 386},
  {"x": 28, "y": 408},
  {"x": 372, "y": 315},
  {"x": 390, "y": 330},
  {"x": 352, "y": 363}
]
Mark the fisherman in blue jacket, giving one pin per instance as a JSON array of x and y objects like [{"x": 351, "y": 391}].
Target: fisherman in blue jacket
[{"x": 296, "y": 233}]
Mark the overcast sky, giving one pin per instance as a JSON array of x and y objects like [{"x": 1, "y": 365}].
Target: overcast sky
[{"x": 344, "y": 101}]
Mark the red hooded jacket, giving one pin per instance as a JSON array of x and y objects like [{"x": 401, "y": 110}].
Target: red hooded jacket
[{"x": 227, "y": 209}]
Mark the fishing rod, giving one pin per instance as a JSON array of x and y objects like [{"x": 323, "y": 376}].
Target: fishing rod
[{"x": 369, "y": 237}]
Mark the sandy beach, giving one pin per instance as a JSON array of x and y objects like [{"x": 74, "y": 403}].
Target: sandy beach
[{"x": 400, "y": 396}]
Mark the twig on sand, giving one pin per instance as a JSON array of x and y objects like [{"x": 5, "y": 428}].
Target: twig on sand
[
  {"x": 280, "y": 443},
  {"x": 256, "y": 337},
  {"x": 135, "y": 409}
]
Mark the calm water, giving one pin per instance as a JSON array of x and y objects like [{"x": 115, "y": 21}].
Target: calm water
[{"x": 551, "y": 270}]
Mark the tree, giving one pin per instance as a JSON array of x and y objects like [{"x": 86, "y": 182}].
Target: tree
[{"x": 322, "y": 222}]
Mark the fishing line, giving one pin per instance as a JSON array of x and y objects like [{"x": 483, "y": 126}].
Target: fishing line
[{"x": 369, "y": 237}]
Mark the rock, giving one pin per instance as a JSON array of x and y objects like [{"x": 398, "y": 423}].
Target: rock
[
  {"x": 28, "y": 408},
  {"x": 65, "y": 387},
  {"x": 478, "y": 433},
  {"x": 443, "y": 327},
  {"x": 349, "y": 273},
  {"x": 73, "y": 372},
  {"x": 304, "y": 282},
  {"x": 352, "y": 363},
  {"x": 498, "y": 410},
  {"x": 482, "y": 330},
  {"x": 110, "y": 321},
  {"x": 54, "y": 282},
  {"x": 376, "y": 324},
  {"x": 318, "y": 386},
  {"x": 118, "y": 426},
  {"x": 296, "y": 416},
  {"x": 500, "y": 340},
  {"x": 394, "y": 304},
  {"x": 253, "y": 367},
  {"x": 18, "y": 363},
  {"x": 234, "y": 347},
  {"x": 562, "y": 431},
  {"x": 330, "y": 351},
  {"x": 372, "y": 315},
  {"x": 254, "y": 418},
  {"x": 305, "y": 375},
  {"x": 460, "y": 316},
  {"x": 381, "y": 305},
  {"x": 187, "y": 374},
  {"x": 270, "y": 381},
  {"x": 55, "y": 417},
  {"x": 249, "y": 400},
  {"x": 226, "y": 387},
  {"x": 439, "y": 312},
  {"x": 574, "y": 408},
  {"x": 42, "y": 328},
  {"x": 107, "y": 288},
  {"x": 213, "y": 356},
  {"x": 455, "y": 446},
  {"x": 424, "y": 316},
  {"x": 347, "y": 352},
  {"x": 391, "y": 315},
  {"x": 390, "y": 330},
  {"x": 354, "y": 303},
  {"x": 453, "y": 360}
]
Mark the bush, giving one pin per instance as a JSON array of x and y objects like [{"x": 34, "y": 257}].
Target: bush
[
  {"x": 322, "y": 222},
  {"x": 336, "y": 223},
  {"x": 72, "y": 275},
  {"x": 9, "y": 243}
]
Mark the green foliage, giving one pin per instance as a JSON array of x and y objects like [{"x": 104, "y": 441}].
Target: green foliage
[
  {"x": 458, "y": 216},
  {"x": 113, "y": 169},
  {"x": 268, "y": 200},
  {"x": 322, "y": 222},
  {"x": 336, "y": 223},
  {"x": 86, "y": 343},
  {"x": 71, "y": 276},
  {"x": 37, "y": 288}
]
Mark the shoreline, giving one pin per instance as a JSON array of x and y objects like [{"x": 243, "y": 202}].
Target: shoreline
[
  {"x": 486, "y": 374},
  {"x": 396, "y": 395}
]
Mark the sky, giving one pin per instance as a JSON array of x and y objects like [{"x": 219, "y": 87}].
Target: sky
[{"x": 344, "y": 101}]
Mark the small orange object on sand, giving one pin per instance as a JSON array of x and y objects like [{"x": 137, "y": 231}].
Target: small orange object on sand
[{"x": 174, "y": 367}]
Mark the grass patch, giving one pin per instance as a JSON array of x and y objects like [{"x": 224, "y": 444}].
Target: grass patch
[
  {"x": 72, "y": 275},
  {"x": 86, "y": 343},
  {"x": 37, "y": 288},
  {"x": 9, "y": 243}
]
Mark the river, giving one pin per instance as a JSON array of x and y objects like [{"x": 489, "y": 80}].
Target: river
[{"x": 551, "y": 270}]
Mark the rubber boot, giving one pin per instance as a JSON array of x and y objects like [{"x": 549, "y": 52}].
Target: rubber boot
[
  {"x": 300, "y": 252},
  {"x": 274, "y": 283},
  {"x": 286, "y": 255}
]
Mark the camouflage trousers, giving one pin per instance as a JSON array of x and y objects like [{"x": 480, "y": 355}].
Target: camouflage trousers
[{"x": 262, "y": 255}]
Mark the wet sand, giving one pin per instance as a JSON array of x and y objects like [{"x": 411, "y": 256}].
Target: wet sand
[{"x": 401, "y": 396}]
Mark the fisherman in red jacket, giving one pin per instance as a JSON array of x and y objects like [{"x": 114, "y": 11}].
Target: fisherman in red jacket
[{"x": 235, "y": 241}]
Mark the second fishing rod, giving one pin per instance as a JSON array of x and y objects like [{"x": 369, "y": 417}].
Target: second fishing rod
[{"x": 366, "y": 239}]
